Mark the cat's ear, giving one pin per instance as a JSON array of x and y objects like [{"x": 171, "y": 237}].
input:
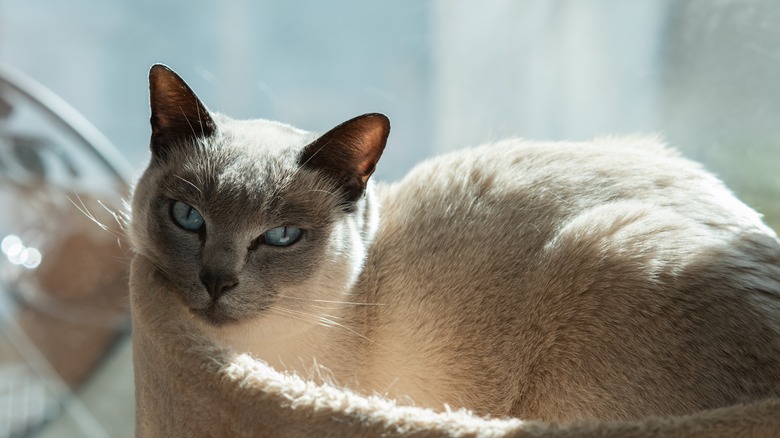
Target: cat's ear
[
  {"x": 177, "y": 113},
  {"x": 349, "y": 152}
]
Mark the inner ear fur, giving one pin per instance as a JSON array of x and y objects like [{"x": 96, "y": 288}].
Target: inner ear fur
[
  {"x": 349, "y": 152},
  {"x": 177, "y": 113}
]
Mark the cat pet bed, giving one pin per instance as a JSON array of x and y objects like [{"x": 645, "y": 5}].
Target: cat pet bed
[{"x": 188, "y": 385}]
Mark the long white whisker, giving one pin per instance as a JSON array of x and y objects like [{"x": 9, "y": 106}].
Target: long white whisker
[
  {"x": 186, "y": 119},
  {"x": 88, "y": 214},
  {"x": 330, "y": 301},
  {"x": 85, "y": 211},
  {"x": 315, "y": 153},
  {"x": 298, "y": 316},
  {"x": 336, "y": 324},
  {"x": 325, "y": 322},
  {"x": 335, "y": 195},
  {"x": 159, "y": 267},
  {"x": 113, "y": 214},
  {"x": 190, "y": 183},
  {"x": 200, "y": 117},
  {"x": 324, "y": 308}
]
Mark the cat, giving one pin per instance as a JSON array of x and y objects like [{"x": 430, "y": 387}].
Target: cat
[{"x": 605, "y": 280}]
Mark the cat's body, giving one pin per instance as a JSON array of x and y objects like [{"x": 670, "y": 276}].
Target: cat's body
[{"x": 555, "y": 281}]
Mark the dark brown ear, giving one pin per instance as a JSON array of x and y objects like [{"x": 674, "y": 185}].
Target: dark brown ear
[
  {"x": 177, "y": 113},
  {"x": 349, "y": 152}
]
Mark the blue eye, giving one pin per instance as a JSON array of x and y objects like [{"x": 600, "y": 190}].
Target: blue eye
[
  {"x": 186, "y": 216},
  {"x": 282, "y": 236}
]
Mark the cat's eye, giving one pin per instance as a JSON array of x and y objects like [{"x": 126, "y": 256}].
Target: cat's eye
[
  {"x": 282, "y": 236},
  {"x": 186, "y": 217}
]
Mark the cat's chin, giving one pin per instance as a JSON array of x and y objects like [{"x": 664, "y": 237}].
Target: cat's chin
[{"x": 214, "y": 316}]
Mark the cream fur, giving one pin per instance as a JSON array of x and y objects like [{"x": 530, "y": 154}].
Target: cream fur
[
  {"x": 632, "y": 240},
  {"x": 602, "y": 271},
  {"x": 188, "y": 385},
  {"x": 575, "y": 283}
]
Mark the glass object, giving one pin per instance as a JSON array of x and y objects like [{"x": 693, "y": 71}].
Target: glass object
[{"x": 63, "y": 262}]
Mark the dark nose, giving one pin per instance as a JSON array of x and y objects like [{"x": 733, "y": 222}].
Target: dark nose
[{"x": 217, "y": 282}]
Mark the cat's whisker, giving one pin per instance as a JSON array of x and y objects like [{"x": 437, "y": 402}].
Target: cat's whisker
[
  {"x": 113, "y": 214},
  {"x": 297, "y": 312},
  {"x": 200, "y": 119},
  {"x": 189, "y": 182},
  {"x": 187, "y": 119},
  {"x": 88, "y": 214},
  {"x": 301, "y": 316},
  {"x": 327, "y": 322},
  {"x": 314, "y": 154},
  {"x": 159, "y": 267},
  {"x": 324, "y": 308},
  {"x": 390, "y": 386},
  {"x": 125, "y": 213},
  {"x": 163, "y": 270},
  {"x": 558, "y": 197},
  {"x": 335, "y": 195},
  {"x": 332, "y": 323},
  {"x": 284, "y": 184},
  {"x": 123, "y": 260},
  {"x": 351, "y": 303},
  {"x": 536, "y": 227},
  {"x": 85, "y": 211},
  {"x": 291, "y": 314}
]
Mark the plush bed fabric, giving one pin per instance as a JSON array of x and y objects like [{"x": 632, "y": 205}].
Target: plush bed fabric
[{"x": 186, "y": 385}]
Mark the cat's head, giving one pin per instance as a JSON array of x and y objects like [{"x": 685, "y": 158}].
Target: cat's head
[{"x": 246, "y": 218}]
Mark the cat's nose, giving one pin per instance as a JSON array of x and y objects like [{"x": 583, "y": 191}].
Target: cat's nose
[{"x": 217, "y": 282}]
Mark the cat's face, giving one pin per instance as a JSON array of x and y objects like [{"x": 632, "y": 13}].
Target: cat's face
[{"x": 250, "y": 218}]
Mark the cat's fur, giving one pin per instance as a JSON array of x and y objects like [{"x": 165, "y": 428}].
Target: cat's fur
[{"x": 557, "y": 281}]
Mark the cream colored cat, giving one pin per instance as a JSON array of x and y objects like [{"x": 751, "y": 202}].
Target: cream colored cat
[{"x": 555, "y": 281}]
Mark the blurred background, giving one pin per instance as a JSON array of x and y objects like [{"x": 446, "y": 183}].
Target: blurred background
[{"x": 702, "y": 73}]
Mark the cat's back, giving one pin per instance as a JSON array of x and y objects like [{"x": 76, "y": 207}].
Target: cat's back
[
  {"x": 598, "y": 270},
  {"x": 566, "y": 178},
  {"x": 525, "y": 194}
]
